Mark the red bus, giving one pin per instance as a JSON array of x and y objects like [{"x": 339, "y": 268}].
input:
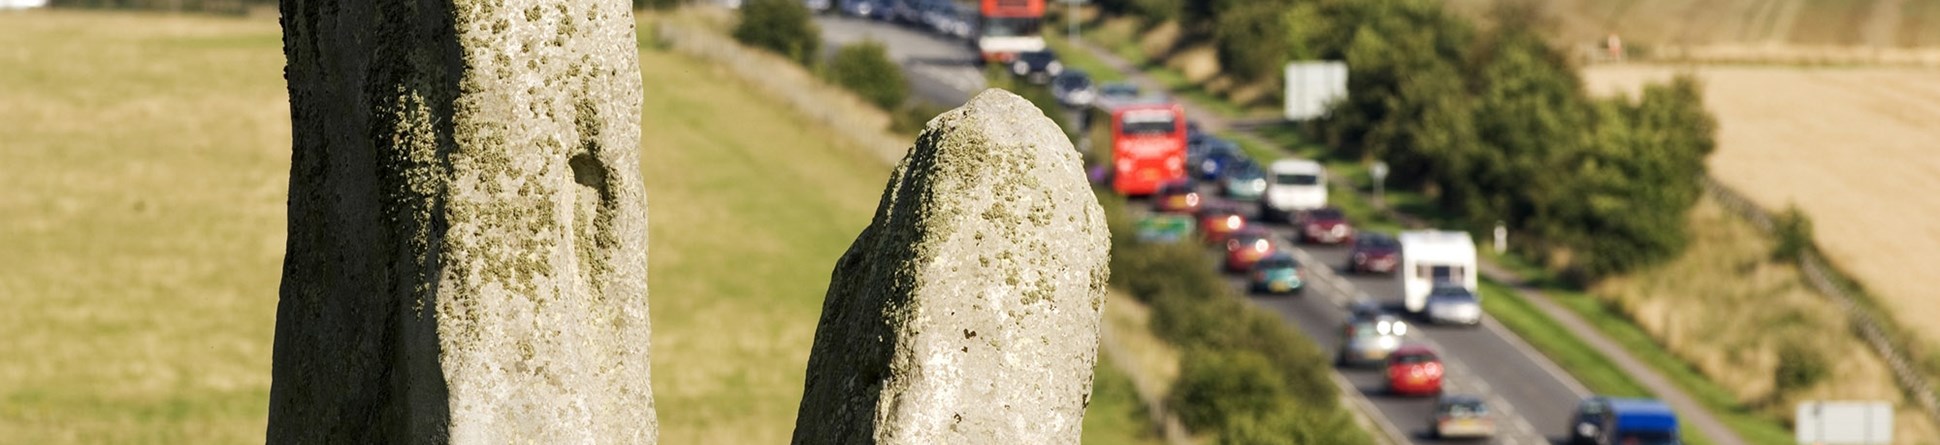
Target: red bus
[
  {"x": 1148, "y": 146},
  {"x": 1008, "y": 27}
]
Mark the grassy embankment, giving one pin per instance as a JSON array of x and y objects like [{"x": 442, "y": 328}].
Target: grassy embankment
[
  {"x": 147, "y": 160},
  {"x": 1733, "y": 375}
]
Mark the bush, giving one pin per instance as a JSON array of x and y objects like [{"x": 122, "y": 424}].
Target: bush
[
  {"x": 1794, "y": 231},
  {"x": 1214, "y": 386},
  {"x": 1799, "y": 367},
  {"x": 782, "y": 26},
  {"x": 865, "y": 68},
  {"x": 657, "y": 4},
  {"x": 1291, "y": 426}
]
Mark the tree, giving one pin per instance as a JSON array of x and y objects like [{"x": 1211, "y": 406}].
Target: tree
[{"x": 782, "y": 26}]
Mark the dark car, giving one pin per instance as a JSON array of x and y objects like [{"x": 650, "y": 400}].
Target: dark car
[
  {"x": 1212, "y": 158},
  {"x": 1374, "y": 252},
  {"x": 869, "y": 9},
  {"x": 1073, "y": 88},
  {"x": 1178, "y": 197},
  {"x": 1325, "y": 225},
  {"x": 1036, "y": 66}
]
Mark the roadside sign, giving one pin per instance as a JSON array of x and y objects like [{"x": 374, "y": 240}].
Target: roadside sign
[
  {"x": 1312, "y": 85},
  {"x": 1844, "y": 423},
  {"x": 1379, "y": 170}
]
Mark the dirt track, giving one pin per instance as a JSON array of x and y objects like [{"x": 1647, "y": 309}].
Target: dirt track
[{"x": 1857, "y": 148}]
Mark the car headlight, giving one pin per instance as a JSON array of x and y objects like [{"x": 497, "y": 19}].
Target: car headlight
[
  {"x": 1020, "y": 67},
  {"x": 1054, "y": 68}
]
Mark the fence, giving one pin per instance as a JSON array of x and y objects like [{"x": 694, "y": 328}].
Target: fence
[{"x": 1829, "y": 282}]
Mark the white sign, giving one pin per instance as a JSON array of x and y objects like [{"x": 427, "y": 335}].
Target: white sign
[
  {"x": 1845, "y": 423},
  {"x": 1312, "y": 86}
]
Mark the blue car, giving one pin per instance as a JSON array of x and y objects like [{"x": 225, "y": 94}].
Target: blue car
[
  {"x": 1213, "y": 156},
  {"x": 1610, "y": 421},
  {"x": 1278, "y": 273}
]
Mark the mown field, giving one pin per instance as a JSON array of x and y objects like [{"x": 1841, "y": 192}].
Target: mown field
[
  {"x": 1852, "y": 147},
  {"x": 145, "y": 162},
  {"x": 1796, "y": 22}
]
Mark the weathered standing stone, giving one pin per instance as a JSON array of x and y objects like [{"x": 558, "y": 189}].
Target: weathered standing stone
[
  {"x": 466, "y": 259},
  {"x": 967, "y": 312}
]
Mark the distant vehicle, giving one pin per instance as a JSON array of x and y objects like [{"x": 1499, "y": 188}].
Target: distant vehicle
[
  {"x": 1164, "y": 228},
  {"x": 1178, "y": 197},
  {"x": 818, "y": 6},
  {"x": 1431, "y": 257},
  {"x": 1073, "y": 88},
  {"x": 963, "y": 21},
  {"x": 1036, "y": 66},
  {"x": 1113, "y": 94},
  {"x": 907, "y": 12},
  {"x": 1373, "y": 252},
  {"x": 1148, "y": 146},
  {"x": 1243, "y": 181},
  {"x": 1414, "y": 370},
  {"x": 1603, "y": 420},
  {"x": 1009, "y": 27},
  {"x": 1293, "y": 185},
  {"x": 1277, "y": 274},
  {"x": 1218, "y": 221},
  {"x": 1248, "y": 246},
  {"x": 1364, "y": 309},
  {"x": 868, "y": 9},
  {"x": 1325, "y": 225},
  {"x": 1461, "y": 417},
  {"x": 1212, "y": 157},
  {"x": 1451, "y": 303},
  {"x": 1370, "y": 336}
]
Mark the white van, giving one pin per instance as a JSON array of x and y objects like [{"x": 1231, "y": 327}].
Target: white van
[
  {"x": 1434, "y": 256},
  {"x": 1294, "y": 185}
]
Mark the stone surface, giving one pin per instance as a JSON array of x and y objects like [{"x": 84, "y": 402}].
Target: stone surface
[
  {"x": 967, "y": 312},
  {"x": 466, "y": 259}
]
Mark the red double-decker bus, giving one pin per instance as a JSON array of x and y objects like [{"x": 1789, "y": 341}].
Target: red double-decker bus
[
  {"x": 1148, "y": 146},
  {"x": 1008, "y": 27}
]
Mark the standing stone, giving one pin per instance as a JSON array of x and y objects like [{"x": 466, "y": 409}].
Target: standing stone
[
  {"x": 967, "y": 312},
  {"x": 466, "y": 259}
]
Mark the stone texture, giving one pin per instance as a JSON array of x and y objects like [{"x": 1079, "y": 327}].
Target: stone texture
[
  {"x": 967, "y": 312},
  {"x": 466, "y": 259}
]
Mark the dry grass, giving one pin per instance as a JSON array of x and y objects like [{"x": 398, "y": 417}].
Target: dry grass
[
  {"x": 1726, "y": 307},
  {"x": 1155, "y": 362},
  {"x": 1852, "y": 147},
  {"x": 1880, "y": 23},
  {"x": 144, "y": 162}
]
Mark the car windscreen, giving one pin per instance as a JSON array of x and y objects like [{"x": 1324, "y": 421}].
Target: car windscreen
[
  {"x": 1277, "y": 263},
  {"x": 1073, "y": 82},
  {"x": 1009, "y": 26},
  {"x": 1466, "y": 409},
  {"x": 1412, "y": 359},
  {"x": 1119, "y": 90},
  {"x": 1149, "y": 123},
  {"x": 1296, "y": 179},
  {"x": 1326, "y": 214},
  {"x": 1376, "y": 242}
]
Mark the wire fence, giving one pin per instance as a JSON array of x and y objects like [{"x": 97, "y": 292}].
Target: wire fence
[{"x": 1829, "y": 282}]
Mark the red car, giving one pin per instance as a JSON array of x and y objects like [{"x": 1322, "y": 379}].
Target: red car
[
  {"x": 1414, "y": 370},
  {"x": 1374, "y": 253},
  {"x": 1216, "y": 222},
  {"x": 1325, "y": 225},
  {"x": 1178, "y": 197},
  {"x": 1248, "y": 246}
]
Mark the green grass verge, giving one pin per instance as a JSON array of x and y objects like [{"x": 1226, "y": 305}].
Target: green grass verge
[{"x": 1116, "y": 416}]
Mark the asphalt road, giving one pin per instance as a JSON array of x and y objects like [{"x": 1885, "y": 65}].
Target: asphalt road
[
  {"x": 942, "y": 70},
  {"x": 1533, "y": 398}
]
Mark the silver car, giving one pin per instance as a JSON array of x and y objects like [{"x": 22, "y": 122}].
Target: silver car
[
  {"x": 1451, "y": 304},
  {"x": 1367, "y": 340}
]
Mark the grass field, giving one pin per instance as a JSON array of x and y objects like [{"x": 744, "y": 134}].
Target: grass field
[{"x": 145, "y": 159}]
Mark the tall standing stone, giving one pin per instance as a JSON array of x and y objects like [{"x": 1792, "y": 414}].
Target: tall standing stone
[
  {"x": 967, "y": 312},
  {"x": 466, "y": 259}
]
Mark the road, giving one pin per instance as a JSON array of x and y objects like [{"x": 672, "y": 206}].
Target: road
[
  {"x": 1531, "y": 395},
  {"x": 941, "y": 70}
]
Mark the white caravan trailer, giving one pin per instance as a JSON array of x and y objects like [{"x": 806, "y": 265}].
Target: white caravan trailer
[{"x": 1429, "y": 257}]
